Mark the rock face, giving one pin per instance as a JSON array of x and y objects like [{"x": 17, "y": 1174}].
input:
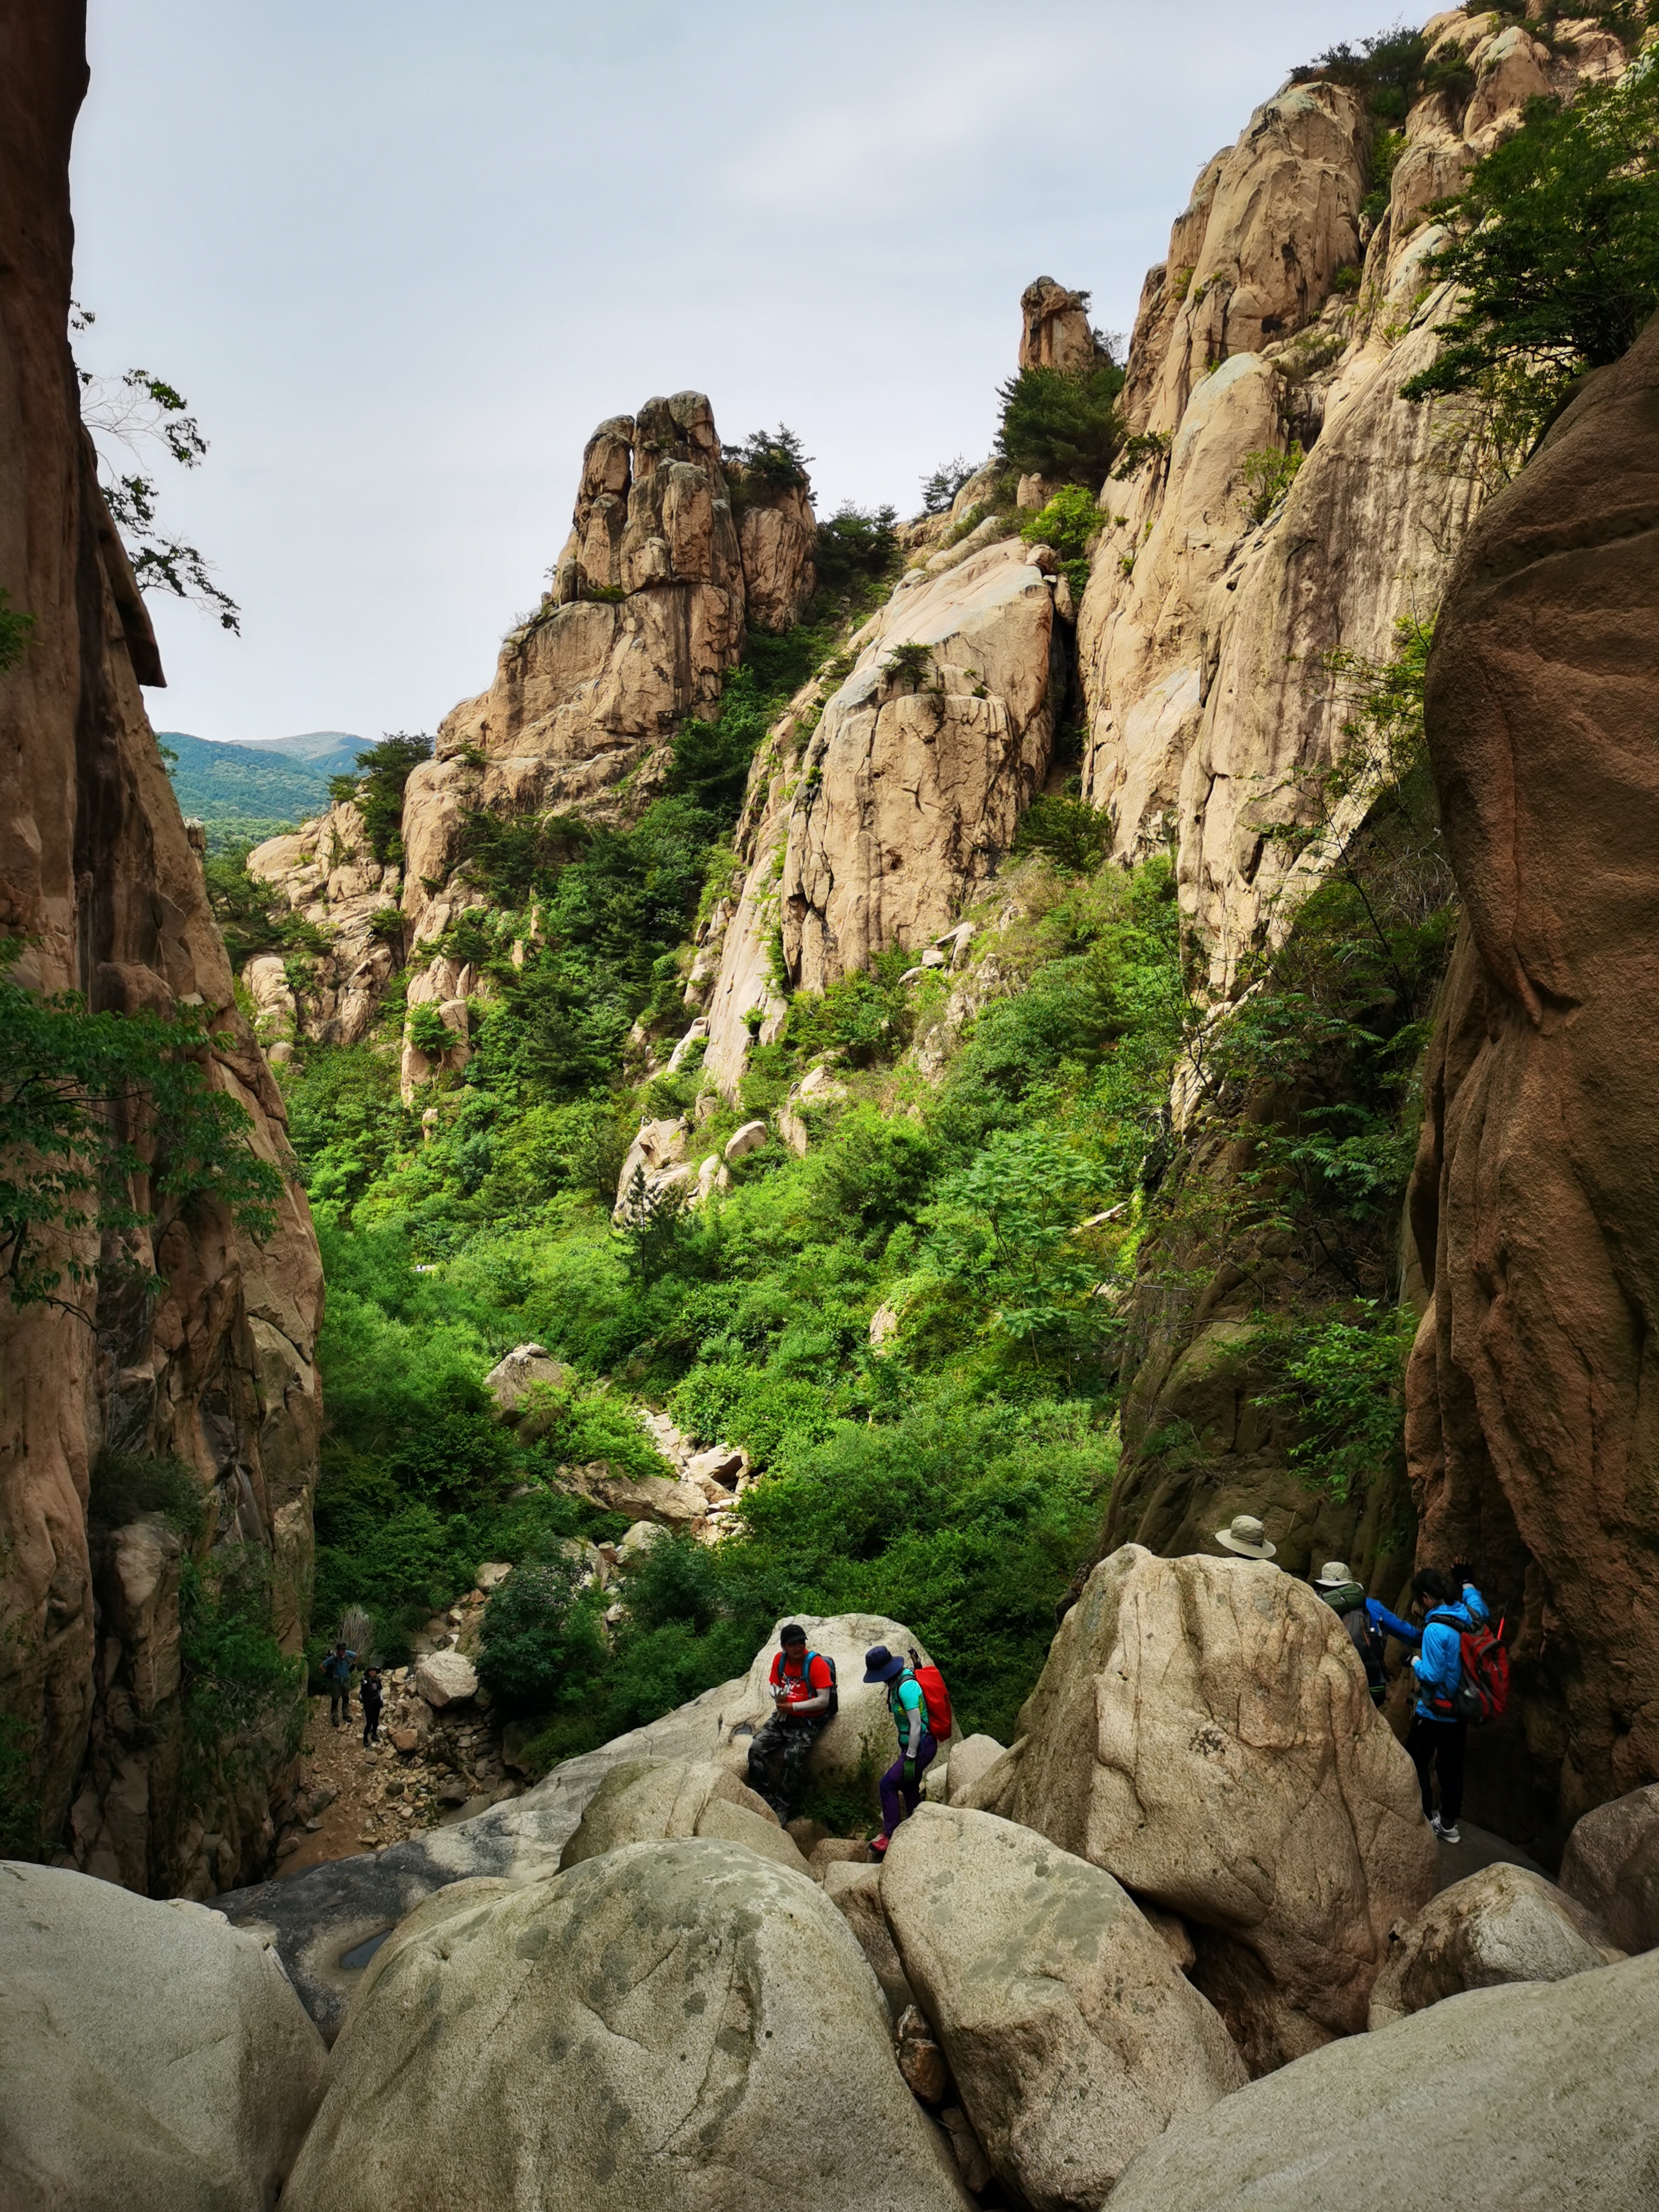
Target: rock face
[
  {"x": 914, "y": 781},
  {"x": 98, "y": 874},
  {"x": 152, "y": 2059},
  {"x": 1203, "y": 1731},
  {"x": 777, "y": 539},
  {"x": 1073, "y": 2039},
  {"x": 855, "y": 1890},
  {"x": 1222, "y": 582},
  {"x": 1515, "y": 2099},
  {"x": 678, "y": 2023},
  {"x": 1532, "y": 1203},
  {"x": 327, "y": 871},
  {"x": 1502, "y": 1924},
  {"x": 1611, "y": 1865}
]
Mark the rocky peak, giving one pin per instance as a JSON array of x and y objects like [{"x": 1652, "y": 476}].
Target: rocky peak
[{"x": 1055, "y": 332}]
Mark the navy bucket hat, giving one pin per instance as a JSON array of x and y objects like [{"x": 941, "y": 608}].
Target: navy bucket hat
[{"x": 880, "y": 1666}]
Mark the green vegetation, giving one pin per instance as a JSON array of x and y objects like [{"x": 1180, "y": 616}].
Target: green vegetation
[
  {"x": 241, "y": 906},
  {"x": 1070, "y": 522},
  {"x": 90, "y": 1103},
  {"x": 1265, "y": 476},
  {"x": 376, "y": 787},
  {"x": 772, "y": 460},
  {"x": 242, "y": 793},
  {"x": 940, "y": 489},
  {"x": 15, "y": 629},
  {"x": 1062, "y": 424},
  {"x": 1555, "y": 244},
  {"x": 240, "y": 1694}
]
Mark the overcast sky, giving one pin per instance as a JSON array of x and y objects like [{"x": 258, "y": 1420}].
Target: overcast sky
[{"x": 402, "y": 257}]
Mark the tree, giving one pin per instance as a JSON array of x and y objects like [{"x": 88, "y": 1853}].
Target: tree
[
  {"x": 1555, "y": 245},
  {"x": 96, "y": 1110},
  {"x": 375, "y": 786},
  {"x": 775, "y": 458},
  {"x": 140, "y": 411},
  {"x": 940, "y": 490},
  {"x": 1062, "y": 422}
]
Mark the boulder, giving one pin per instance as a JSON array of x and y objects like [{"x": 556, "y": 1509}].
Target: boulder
[
  {"x": 657, "y": 1153},
  {"x": 653, "y": 1800},
  {"x": 817, "y": 1088},
  {"x": 863, "y": 1727},
  {"x": 971, "y": 1761},
  {"x": 641, "y": 1536},
  {"x": 853, "y": 1887},
  {"x": 1502, "y": 1924},
  {"x": 1518, "y": 2099},
  {"x": 751, "y": 1138},
  {"x": 921, "y": 2057},
  {"x": 1073, "y": 2039},
  {"x": 1611, "y": 1865},
  {"x": 680, "y": 2023},
  {"x": 492, "y": 1574},
  {"x": 512, "y": 1380},
  {"x": 1203, "y": 1730},
  {"x": 646, "y": 1497},
  {"x": 152, "y": 2058},
  {"x": 446, "y": 1678}
]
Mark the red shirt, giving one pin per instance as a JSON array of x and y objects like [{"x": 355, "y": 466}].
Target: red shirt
[{"x": 806, "y": 1677}]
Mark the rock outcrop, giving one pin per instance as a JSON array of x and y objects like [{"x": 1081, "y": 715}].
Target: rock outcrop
[
  {"x": 1517, "y": 2099},
  {"x": 1055, "y": 332},
  {"x": 1533, "y": 1202},
  {"x": 327, "y": 872},
  {"x": 1611, "y": 1866},
  {"x": 681, "y": 2023},
  {"x": 152, "y": 2059},
  {"x": 100, "y": 879},
  {"x": 1502, "y": 1924},
  {"x": 1073, "y": 2040},
  {"x": 1203, "y": 1731},
  {"x": 661, "y": 1799},
  {"x": 913, "y": 783}
]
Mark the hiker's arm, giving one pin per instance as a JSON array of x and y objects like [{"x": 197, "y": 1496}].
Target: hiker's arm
[
  {"x": 1403, "y": 1629},
  {"x": 818, "y": 1702}
]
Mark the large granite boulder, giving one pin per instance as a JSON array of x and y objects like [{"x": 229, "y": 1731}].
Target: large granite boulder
[
  {"x": 1502, "y": 1924},
  {"x": 855, "y": 1890},
  {"x": 1611, "y": 1865},
  {"x": 862, "y": 1730},
  {"x": 1533, "y": 1202},
  {"x": 1203, "y": 1730},
  {"x": 658, "y": 1799},
  {"x": 676, "y": 2023},
  {"x": 1518, "y": 2100},
  {"x": 152, "y": 2058},
  {"x": 1072, "y": 2038}
]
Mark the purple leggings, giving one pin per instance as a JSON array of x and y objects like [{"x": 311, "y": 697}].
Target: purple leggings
[{"x": 899, "y": 1796}]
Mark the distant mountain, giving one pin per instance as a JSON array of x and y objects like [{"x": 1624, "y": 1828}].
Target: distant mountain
[{"x": 245, "y": 793}]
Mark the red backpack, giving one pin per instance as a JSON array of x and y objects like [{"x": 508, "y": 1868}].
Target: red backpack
[
  {"x": 934, "y": 1695},
  {"x": 1483, "y": 1685}
]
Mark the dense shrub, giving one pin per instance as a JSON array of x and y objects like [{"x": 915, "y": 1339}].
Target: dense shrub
[
  {"x": 376, "y": 786},
  {"x": 1062, "y": 422}
]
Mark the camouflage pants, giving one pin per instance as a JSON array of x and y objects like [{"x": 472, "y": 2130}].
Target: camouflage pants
[{"x": 778, "y": 1756}]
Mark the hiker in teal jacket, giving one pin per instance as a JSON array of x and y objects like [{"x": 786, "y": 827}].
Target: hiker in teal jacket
[{"x": 901, "y": 1786}]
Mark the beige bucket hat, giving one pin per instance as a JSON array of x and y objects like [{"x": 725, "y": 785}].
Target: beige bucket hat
[
  {"x": 1245, "y": 1535},
  {"x": 1333, "y": 1575}
]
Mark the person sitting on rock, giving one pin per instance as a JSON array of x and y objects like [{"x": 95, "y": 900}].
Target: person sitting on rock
[
  {"x": 373, "y": 1699},
  {"x": 901, "y": 1786},
  {"x": 802, "y": 1685},
  {"x": 1436, "y": 1737},
  {"x": 1367, "y": 1620},
  {"x": 337, "y": 1673}
]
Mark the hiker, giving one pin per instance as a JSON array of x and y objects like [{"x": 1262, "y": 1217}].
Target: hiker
[
  {"x": 1437, "y": 1732},
  {"x": 804, "y": 1698},
  {"x": 1367, "y": 1620},
  {"x": 373, "y": 1700},
  {"x": 1245, "y": 1535},
  {"x": 901, "y": 1786},
  {"x": 337, "y": 1673}
]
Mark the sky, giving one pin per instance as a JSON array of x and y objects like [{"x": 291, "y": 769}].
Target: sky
[{"x": 402, "y": 257}]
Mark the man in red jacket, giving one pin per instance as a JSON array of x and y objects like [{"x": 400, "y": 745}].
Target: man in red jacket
[{"x": 803, "y": 1685}]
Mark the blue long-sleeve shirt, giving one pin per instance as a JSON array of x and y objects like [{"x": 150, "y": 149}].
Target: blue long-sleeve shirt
[
  {"x": 1390, "y": 1623},
  {"x": 1438, "y": 1666}
]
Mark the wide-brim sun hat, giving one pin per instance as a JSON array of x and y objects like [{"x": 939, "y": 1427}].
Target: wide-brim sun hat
[
  {"x": 1333, "y": 1575},
  {"x": 1245, "y": 1535},
  {"x": 880, "y": 1666}
]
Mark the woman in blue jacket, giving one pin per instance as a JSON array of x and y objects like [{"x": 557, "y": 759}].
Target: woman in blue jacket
[{"x": 1436, "y": 1737}]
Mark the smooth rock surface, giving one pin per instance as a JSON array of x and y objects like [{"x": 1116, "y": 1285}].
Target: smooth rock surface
[
  {"x": 1073, "y": 2039},
  {"x": 1611, "y": 1865},
  {"x": 657, "y": 1800},
  {"x": 152, "y": 2058},
  {"x": 446, "y": 1678},
  {"x": 1518, "y": 2100},
  {"x": 676, "y": 2023},
  {"x": 1203, "y": 1730},
  {"x": 853, "y": 1887},
  {"x": 1501, "y": 1925}
]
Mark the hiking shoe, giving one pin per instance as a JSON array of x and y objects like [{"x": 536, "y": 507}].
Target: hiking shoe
[
  {"x": 879, "y": 1844},
  {"x": 1447, "y": 1835}
]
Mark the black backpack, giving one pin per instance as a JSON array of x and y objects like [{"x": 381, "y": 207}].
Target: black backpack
[{"x": 1365, "y": 1636}]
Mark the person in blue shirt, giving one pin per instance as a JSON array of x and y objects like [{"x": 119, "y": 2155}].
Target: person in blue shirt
[
  {"x": 1367, "y": 1620},
  {"x": 1437, "y": 1737},
  {"x": 901, "y": 1786},
  {"x": 337, "y": 1673}
]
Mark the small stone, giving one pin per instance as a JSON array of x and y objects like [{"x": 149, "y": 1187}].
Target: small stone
[{"x": 921, "y": 2060}]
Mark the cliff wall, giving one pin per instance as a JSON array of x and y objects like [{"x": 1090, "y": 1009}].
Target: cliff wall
[{"x": 99, "y": 878}]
